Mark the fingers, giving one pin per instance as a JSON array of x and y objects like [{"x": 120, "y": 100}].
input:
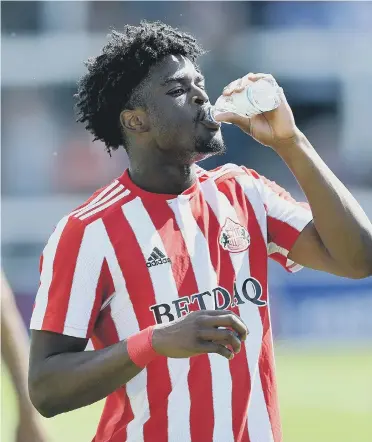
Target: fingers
[
  {"x": 235, "y": 86},
  {"x": 241, "y": 83},
  {"x": 212, "y": 347},
  {"x": 226, "y": 319},
  {"x": 222, "y": 336}
]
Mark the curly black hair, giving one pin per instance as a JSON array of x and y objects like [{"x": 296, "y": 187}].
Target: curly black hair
[{"x": 112, "y": 77}]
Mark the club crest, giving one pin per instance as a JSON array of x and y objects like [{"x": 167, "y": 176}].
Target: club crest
[{"x": 234, "y": 237}]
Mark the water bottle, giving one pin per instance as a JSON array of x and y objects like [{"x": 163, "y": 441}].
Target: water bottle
[{"x": 258, "y": 97}]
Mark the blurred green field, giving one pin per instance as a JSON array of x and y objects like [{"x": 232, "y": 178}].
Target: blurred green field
[{"x": 325, "y": 396}]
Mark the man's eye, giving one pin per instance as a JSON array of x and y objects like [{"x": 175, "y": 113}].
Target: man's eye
[
  {"x": 177, "y": 92},
  {"x": 201, "y": 86}
]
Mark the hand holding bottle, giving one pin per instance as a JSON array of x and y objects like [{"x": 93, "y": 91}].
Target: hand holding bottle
[{"x": 265, "y": 114}]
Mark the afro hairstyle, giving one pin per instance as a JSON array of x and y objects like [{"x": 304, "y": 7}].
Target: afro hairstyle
[{"x": 113, "y": 76}]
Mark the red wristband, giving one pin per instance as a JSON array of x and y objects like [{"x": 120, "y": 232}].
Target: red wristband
[{"x": 140, "y": 347}]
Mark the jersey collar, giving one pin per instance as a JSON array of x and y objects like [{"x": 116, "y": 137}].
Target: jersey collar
[{"x": 186, "y": 195}]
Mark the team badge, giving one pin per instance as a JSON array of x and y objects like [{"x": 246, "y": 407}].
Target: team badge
[{"x": 234, "y": 237}]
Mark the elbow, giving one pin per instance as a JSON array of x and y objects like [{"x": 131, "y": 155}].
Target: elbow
[
  {"x": 365, "y": 260},
  {"x": 42, "y": 406},
  {"x": 360, "y": 264},
  {"x": 357, "y": 275},
  {"x": 45, "y": 411},
  {"x": 42, "y": 398},
  {"x": 361, "y": 271}
]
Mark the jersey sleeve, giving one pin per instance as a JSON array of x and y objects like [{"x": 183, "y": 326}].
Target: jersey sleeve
[
  {"x": 72, "y": 281},
  {"x": 286, "y": 218}
]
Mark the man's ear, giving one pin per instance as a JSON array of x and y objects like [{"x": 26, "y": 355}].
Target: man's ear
[{"x": 134, "y": 120}]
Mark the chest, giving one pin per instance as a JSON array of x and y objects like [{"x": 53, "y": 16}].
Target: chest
[{"x": 186, "y": 256}]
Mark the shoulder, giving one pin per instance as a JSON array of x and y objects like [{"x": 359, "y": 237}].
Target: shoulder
[
  {"x": 228, "y": 171},
  {"x": 103, "y": 201},
  {"x": 242, "y": 175},
  {"x": 86, "y": 217}
]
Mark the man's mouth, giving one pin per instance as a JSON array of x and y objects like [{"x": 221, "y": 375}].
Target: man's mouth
[{"x": 207, "y": 122}]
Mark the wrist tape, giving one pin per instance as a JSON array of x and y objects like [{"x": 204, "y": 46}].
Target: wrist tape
[{"x": 140, "y": 349}]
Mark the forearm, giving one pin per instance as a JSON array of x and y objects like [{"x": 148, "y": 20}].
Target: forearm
[
  {"x": 14, "y": 342},
  {"x": 72, "y": 380},
  {"x": 340, "y": 222}
]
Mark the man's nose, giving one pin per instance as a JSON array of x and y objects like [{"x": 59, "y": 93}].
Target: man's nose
[{"x": 200, "y": 97}]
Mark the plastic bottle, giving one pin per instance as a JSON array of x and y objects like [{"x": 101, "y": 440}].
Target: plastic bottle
[{"x": 258, "y": 97}]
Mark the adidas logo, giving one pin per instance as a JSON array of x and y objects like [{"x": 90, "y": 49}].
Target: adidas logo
[{"x": 156, "y": 258}]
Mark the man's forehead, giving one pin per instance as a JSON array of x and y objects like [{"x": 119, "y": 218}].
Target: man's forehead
[
  {"x": 175, "y": 64},
  {"x": 179, "y": 59}
]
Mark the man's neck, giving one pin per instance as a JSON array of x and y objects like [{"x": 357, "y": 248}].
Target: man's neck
[{"x": 162, "y": 178}]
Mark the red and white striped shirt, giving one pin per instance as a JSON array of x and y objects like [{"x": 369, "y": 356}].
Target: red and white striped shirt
[{"x": 127, "y": 259}]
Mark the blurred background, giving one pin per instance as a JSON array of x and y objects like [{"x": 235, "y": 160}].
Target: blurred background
[{"x": 321, "y": 54}]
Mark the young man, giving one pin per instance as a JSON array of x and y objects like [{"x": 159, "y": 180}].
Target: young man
[{"x": 166, "y": 267}]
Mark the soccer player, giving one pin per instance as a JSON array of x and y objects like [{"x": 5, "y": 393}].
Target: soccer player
[{"x": 165, "y": 268}]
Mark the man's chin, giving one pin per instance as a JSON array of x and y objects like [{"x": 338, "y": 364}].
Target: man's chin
[
  {"x": 203, "y": 149},
  {"x": 214, "y": 146}
]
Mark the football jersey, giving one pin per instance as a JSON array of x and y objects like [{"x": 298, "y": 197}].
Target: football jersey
[{"x": 128, "y": 259}]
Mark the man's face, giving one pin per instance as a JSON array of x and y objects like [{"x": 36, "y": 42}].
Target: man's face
[{"x": 176, "y": 102}]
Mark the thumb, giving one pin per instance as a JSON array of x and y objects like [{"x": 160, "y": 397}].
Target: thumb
[{"x": 231, "y": 118}]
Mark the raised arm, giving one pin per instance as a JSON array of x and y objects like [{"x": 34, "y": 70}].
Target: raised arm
[{"x": 339, "y": 239}]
